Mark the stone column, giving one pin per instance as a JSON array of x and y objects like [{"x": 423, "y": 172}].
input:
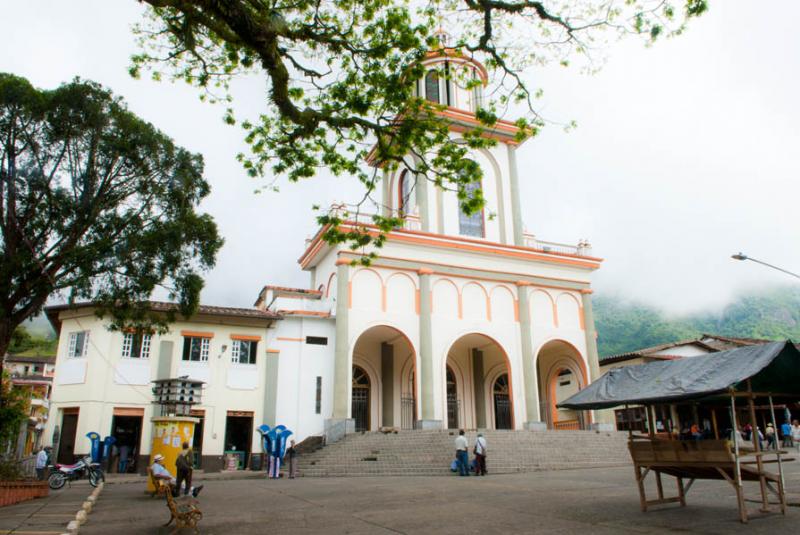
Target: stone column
[
  {"x": 386, "y": 195},
  {"x": 422, "y": 203},
  {"x": 340, "y": 423},
  {"x": 477, "y": 388},
  {"x": 533, "y": 422},
  {"x": 387, "y": 382},
  {"x": 427, "y": 418},
  {"x": 604, "y": 419},
  {"x": 516, "y": 209}
]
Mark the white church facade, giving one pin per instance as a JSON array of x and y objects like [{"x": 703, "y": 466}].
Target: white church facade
[{"x": 461, "y": 322}]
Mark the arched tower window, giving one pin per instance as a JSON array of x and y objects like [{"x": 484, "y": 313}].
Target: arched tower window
[
  {"x": 471, "y": 225},
  {"x": 405, "y": 192},
  {"x": 432, "y": 87}
]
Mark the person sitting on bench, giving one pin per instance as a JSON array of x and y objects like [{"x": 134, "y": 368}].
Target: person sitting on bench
[{"x": 160, "y": 472}]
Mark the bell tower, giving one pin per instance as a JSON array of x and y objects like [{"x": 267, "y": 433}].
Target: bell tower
[{"x": 449, "y": 81}]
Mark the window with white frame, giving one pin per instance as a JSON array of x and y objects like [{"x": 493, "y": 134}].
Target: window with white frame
[
  {"x": 136, "y": 346},
  {"x": 471, "y": 225},
  {"x": 244, "y": 351},
  {"x": 78, "y": 344},
  {"x": 196, "y": 348}
]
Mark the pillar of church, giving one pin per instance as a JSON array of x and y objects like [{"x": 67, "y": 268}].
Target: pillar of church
[
  {"x": 533, "y": 422},
  {"x": 604, "y": 419},
  {"x": 516, "y": 209},
  {"x": 427, "y": 416},
  {"x": 423, "y": 205},
  {"x": 387, "y": 382},
  {"x": 340, "y": 423},
  {"x": 477, "y": 388}
]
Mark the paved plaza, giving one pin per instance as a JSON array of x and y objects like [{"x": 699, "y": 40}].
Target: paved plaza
[
  {"x": 568, "y": 501},
  {"x": 44, "y": 516}
]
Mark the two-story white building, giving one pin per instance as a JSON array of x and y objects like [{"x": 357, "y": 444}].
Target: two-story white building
[{"x": 462, "y": 321}]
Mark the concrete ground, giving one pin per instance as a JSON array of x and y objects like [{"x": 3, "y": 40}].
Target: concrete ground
[
  {"x": 44, "y": 516},
  {"x": 602, "y": 500}
]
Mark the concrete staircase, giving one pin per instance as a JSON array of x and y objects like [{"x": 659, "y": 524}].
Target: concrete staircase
[{"x": 430, "y": 452}]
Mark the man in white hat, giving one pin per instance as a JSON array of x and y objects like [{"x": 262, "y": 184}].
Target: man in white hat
[{"x": 160, "y": 472}]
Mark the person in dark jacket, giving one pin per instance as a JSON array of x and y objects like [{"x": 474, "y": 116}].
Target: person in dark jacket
[{"x": 184, "y": 466}]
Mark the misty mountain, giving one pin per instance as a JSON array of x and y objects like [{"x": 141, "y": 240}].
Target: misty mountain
[{"x": 624, "y": 326}]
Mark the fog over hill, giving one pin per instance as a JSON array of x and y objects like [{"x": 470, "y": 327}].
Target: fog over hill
[{"x": 625, "y": 325}]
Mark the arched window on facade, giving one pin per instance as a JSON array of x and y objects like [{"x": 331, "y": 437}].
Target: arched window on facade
[
  {"x": 432, "y": 87},
  {"x": 405, "y": 193},
  {"x": 471, "y": 225}
]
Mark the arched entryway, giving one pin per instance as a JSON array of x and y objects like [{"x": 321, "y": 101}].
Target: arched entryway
[
  {"x": 360, "y": 400},
  {"x": 477, "y": 386},
  {"x": 501, "y": 401},
  {"x": 453, "y": 409},
  {"x": 561, "y": 373},
  {"x": 383, "y": 391}
]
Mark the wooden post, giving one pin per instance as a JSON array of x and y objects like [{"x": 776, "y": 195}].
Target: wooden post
[
  {"x": 757, "y": 443},
  {"x": 714, "y": 422},
  {"x": 651, "y": 416},
  {"x": 781, "y": 493},
  {"x": 738, "y": 472}
]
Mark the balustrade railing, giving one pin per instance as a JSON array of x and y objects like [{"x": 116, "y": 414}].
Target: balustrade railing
[{"x": 412, "y": 222}]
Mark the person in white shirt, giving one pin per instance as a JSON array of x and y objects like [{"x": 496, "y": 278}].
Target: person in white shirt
[
  {"x": 462, "y": 456},
  {"x": 480, "y": 455},
  {"x": 796, "y": 435},
  {"x": 160, "y": 472},
  {"x": 42, "y": 460}
]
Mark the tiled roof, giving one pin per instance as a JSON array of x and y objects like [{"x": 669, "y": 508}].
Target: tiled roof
[
  {"x": 293, "y": 290},
  {"x": 711, "y": 342},
  {"x": 47, "y": 359},
  {"x": 313, "y": 313},
  {"x": 163, "y": 306}
]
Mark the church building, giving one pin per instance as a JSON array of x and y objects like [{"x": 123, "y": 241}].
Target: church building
[{"x": 461, "y": 322}]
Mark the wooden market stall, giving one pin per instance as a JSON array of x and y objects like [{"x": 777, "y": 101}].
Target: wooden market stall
[{"x": 737, "y": 377}]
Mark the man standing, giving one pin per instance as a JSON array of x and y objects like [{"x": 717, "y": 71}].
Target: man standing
[
  {"x": 786, "y": 435},
  {"x": 480, "y": 455},
  {"x": 461, "y": 454},
  {"x": 184, "y": 465},
  {"x": 292, "y": 454},
  {"x": 160, "y": 472},
  {"x": 42, "y": 460}
]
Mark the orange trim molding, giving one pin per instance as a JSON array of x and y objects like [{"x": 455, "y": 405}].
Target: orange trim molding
[
  {"x": 128, "y": 411},
  {"x": 342, "y": 261},
  {"x": 287, "y": 339},
  {"x": 198, "y": 334},
  {"x": 273, "y": 351},
  {"x": 425, "y": 271},
  {"x": 246, "y": 337},
  {"x": 587, "y": 291}
]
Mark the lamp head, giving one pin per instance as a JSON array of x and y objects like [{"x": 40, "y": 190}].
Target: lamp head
[{"x": 739, "y": 256}]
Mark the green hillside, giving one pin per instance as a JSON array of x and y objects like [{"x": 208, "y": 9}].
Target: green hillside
[{"x": 624, "y": 326}]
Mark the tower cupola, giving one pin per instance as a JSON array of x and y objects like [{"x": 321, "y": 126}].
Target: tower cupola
[{"x": 451, "y": 78}]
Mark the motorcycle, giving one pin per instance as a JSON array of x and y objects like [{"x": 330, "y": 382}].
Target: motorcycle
[{"x": 61, "y": 473}]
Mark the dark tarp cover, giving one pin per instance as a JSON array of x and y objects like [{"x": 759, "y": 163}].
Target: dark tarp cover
[{"x": 772, "y": 368}]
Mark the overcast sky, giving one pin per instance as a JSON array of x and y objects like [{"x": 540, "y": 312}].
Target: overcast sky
[{"x": 684, "y": 153}]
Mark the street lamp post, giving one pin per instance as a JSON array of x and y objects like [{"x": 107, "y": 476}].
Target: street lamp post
[{"x": 742, "y": 256}]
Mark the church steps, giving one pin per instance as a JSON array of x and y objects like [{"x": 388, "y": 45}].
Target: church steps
[{"x": 429, "y": 452}]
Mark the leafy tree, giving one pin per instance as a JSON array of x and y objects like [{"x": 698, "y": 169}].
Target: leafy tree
[
  {"x": 12, "y": 412},
  {"x": 95, "y": 202},
  {"x": 341, "y": 74}
]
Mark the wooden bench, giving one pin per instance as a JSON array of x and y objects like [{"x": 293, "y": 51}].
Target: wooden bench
[
  {"x": 184, "y": 511},
  {"x": 701, "y": 459}
]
